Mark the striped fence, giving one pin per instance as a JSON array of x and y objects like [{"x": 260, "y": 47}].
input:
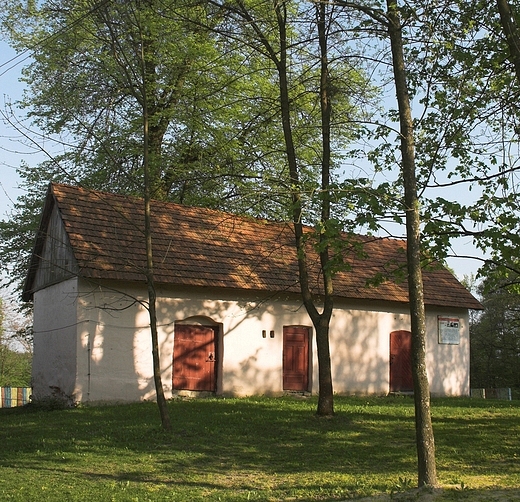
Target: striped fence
[{"x": 14, "y": 396}]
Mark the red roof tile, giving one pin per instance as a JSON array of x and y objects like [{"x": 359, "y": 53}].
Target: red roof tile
[{"x": 195, "y": 246}]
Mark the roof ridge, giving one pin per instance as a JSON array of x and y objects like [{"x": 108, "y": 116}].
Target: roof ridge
[{"x": 159, "y": 203}]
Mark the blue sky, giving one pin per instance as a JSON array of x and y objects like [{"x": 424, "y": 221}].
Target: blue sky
[{"x": 12, "y": 152}]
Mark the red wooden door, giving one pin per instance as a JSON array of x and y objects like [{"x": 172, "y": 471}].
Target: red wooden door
[
  {"x": 401, "y": 361},
  {"x": 194, "y": 357},
  {"x": 295, "y": 358}
]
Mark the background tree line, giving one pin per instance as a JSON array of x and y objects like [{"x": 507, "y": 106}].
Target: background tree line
[
  {"x": 15, "y": 346},
  {"x": 495, "y": 336}
]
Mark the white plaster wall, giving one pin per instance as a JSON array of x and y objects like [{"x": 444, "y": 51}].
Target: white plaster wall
[
  {"x": 114, "y": 360},
  {"x": 114, "y": 349},
  {"x": 251, "y": 364},
  {"x": 448, "y": 365},
  {"x": 360, "y": 349},
  {"x": 55, "y": 327}
]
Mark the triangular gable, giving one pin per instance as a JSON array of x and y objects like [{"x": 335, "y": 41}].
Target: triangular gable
[{"x": 52, "y": 260}]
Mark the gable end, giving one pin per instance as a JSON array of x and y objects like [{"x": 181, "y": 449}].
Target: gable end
[{"x": 53, "y": 259}]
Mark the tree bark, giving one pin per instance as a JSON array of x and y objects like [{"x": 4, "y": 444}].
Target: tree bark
[
  {"x": 512, "y": 34},
  {"x": 321, "y": 320},
  {"x": 152, "y": 301},
  {"x": 152, "y": 297},
  {"x": 278, "y": 55},
  {"x": 322, "y": 323},
  {"x": 427, "y": 474}
]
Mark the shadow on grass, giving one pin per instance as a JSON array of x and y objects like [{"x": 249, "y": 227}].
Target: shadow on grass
[
  {"x": 252, "y": 443},
  {"x": 273, "y": 435}
]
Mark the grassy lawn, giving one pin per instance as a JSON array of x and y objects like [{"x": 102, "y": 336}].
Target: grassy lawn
[{"x": 255, "y": 449}]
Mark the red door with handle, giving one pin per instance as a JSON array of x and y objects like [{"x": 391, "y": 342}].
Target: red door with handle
[
  {"x": 194, "y": 358},
  {"x": 401, "y": 379},
  {"x": 296, "y": 358}
]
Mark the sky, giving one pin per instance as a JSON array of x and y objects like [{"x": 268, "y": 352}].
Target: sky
[
  {"x": 11, "y": 152},
  {"x": 14, "y": 149}
]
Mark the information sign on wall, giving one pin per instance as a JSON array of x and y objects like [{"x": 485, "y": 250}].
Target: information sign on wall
[{"x": 449, "y": 330}]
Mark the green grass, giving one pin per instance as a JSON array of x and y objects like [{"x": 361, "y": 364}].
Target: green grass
[{"x": 253, "y": 449}]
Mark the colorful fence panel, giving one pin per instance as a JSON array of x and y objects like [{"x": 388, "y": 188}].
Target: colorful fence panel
[{"x": 11, "y": 397}]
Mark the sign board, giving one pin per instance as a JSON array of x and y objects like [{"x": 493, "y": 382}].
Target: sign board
[{"x": 449, "y": 330}]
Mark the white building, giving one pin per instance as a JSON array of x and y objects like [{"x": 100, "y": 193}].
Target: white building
[{"x": 229, "y": 312}]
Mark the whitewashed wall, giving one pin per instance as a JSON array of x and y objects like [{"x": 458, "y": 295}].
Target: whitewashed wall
[
  {"x": 360, "y": 348},
  {"x": 55, "y": 340},
  {"x": 113, "y": 355}
]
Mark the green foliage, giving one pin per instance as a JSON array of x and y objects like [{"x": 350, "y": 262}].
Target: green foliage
[
  {"x": 466, "y": 120},
  {"x": 253, "y": 449},
  {"x": 467, "y": 127},
  {"x": 495, "y": 335},
  {"x": 213, "y": 99},
  {"x": 15, "y": 368},
  {"x": 86, "y": 83},
  {"x": 216, "y": 123},
  {"x": 18, "y": 232}
]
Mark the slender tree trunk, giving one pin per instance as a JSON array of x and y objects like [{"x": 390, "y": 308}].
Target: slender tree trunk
[
  {"x": 152, "y": 298},
  {"x": 150, "y": 281},
  {"x": 320, "y": 321},
  {"x": 326, "y": 395},
  {"x": 512, "y": 34},
  {"x": 325, "y": 399},
  {"x": 427, "y": 474}
]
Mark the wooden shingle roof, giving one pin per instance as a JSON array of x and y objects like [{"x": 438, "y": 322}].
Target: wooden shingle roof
[{"x": 195, "y": 246}]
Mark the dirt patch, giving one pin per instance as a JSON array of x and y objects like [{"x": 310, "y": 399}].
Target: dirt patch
[{"x": 447, "y": 494}]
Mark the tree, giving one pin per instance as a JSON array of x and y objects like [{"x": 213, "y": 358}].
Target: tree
[
  {"x": 511, "y": 34},
  {"x": 388, "y": 26},
  {"x": 133, "y": 65},
  {"x": 146, "y": 86},
  {"x": 296, "y": 40},
  {"x": 454, "y": 67},
  {"x": 470, "y": 90},
  {"x": 123, "y": 55},
  {"x": 15, "y": 365},
  {"x": 209, "y": 127},
  {"x": 77, "y": 89},
  {"x": 423, "y": 425},
  {"x": 495, "y": 334}
]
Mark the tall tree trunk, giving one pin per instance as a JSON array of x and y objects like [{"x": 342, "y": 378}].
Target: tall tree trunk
[
  {"x": 321, "y": 320},
  {"x": 512, "y": 34},
  {"x": 152, "y": 297},
  {"x": 150, "y": 281},
  {"x": 427, "y": 474},
  {"x": 325, "y": 400}
]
